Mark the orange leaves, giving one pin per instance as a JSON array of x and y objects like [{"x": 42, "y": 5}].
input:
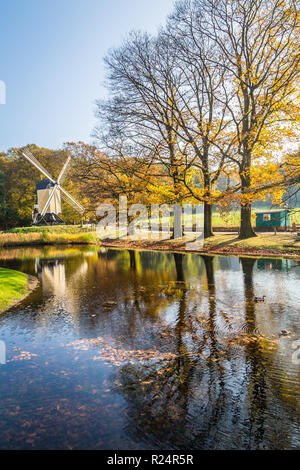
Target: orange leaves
[{"x": 117, "y": 356}]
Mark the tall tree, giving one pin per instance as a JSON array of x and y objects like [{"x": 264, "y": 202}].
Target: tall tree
[
  {"x": 256, "y": 42},
  {"x": 201, "y": 116},
  {"x": 163, "y": 105},
  {"x": 140, "y": 113}
]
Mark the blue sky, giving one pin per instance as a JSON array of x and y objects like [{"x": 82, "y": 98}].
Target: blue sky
[{"x": 51, "y": 60}]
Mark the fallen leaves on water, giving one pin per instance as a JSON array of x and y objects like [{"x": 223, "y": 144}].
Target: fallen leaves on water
[
  {"x": 119, "y": 356},
  {"x": 23, "y": 356}
]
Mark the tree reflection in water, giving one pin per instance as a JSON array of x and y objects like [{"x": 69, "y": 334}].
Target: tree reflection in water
[
  {"x": 189, "y": 359},
  {"x": 179, "y": 401},
  {"x": 209, "y": 393},
  {"x": 256, "y": 371}
]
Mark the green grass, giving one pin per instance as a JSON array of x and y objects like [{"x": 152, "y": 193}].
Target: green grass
[
  {"x": 283, "y": 242},
  {"x": 72, "y": 229},
  {"x": 230, "y": 219},
  {"x": 233, "y": 218},
  {"x": 12, "y": 287}
]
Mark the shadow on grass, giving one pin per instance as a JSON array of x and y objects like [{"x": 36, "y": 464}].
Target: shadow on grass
[{"x": 222, "y": 244}]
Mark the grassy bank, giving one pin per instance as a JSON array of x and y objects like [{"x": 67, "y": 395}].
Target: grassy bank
[
  {"x": 57, "y": 229},
  {"x": 13, "y": 287},
  {"x": 56, "y": 235},
  {"x": 264, "y": 243},
  {"x": 287, "y": 245}
]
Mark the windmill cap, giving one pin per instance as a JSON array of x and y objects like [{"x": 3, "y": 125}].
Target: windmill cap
[{"x": 44, "y": 184}]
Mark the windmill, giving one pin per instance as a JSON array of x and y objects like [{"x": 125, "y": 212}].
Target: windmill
[{"x": 49, "y": 194}]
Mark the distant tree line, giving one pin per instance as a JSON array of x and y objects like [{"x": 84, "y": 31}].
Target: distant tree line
[{"x": 18, "y": 179}]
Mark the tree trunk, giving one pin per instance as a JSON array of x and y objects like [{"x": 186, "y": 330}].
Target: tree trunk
[
  {"x": 132, "y": 260},
  {"x": 208, "y": 232},
  {"x": 246, "y": 230},
  {"x": 178, "y": 258},
  {"x": 207, "y": 204},
  {"x": 177, "y": 222},
  {"x": 247, "y": 267}
]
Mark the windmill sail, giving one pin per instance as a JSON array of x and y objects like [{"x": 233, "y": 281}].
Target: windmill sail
[
  {"x": 28, "y": 155},
  {"x": 63, "y": 171},
  {"x": 70, "y": 200}
]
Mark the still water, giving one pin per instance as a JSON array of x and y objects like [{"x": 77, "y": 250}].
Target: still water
[{"x": 144, "y": 350}]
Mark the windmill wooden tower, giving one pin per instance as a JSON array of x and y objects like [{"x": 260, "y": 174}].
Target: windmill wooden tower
[{"x": 49, "y": 192}]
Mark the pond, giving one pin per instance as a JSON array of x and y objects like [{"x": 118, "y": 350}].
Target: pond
[{"x": 145, "y": 350}]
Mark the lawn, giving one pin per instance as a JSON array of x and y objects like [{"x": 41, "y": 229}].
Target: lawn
[
  {"x": 232, "y": 218},
  {"x": 12, "y": 287},
  {"x": 283, "y": 242},
  {"x": 264, "y": 244}
]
